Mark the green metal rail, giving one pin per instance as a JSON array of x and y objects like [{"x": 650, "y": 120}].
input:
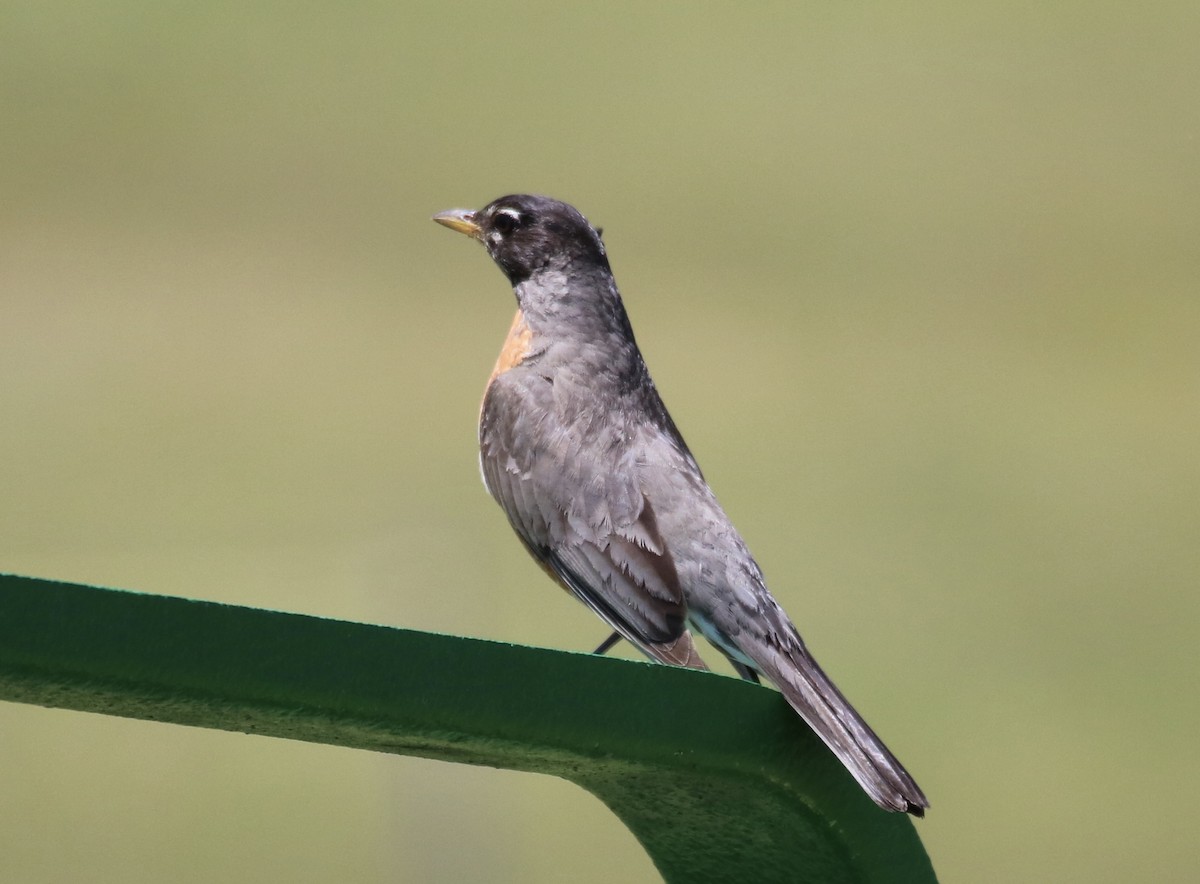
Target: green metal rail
[{"x": 717, "y": 778}]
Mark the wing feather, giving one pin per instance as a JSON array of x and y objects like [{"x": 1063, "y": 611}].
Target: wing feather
[{"x": 588, "y": 523}]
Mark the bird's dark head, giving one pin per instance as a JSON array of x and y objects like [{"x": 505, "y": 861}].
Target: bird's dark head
[{"x": 525, "y": 233}]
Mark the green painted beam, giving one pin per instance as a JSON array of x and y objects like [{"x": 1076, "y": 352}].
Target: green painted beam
[{"x": 717, "y": 778}]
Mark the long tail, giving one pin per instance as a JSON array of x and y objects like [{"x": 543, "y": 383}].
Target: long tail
[{"x": 809, "y": 691}]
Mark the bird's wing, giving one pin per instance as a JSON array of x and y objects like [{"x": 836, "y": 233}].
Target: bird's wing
[{"x": 587, "y": 522}]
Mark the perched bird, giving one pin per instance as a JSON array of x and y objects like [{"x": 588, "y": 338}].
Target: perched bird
[{"x": 578, "y": 449}]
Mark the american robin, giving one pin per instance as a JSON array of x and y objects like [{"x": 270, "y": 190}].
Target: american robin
[{"x": 580, "y": 452}]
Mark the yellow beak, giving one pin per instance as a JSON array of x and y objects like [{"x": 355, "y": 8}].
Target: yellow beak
[{"x": 462, "y": 220}]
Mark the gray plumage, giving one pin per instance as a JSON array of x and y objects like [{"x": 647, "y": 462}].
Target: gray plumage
[{"x": 580, "y": 452}]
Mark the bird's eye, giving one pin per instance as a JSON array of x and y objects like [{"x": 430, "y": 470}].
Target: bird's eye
[{"x": 506, "y": 221}]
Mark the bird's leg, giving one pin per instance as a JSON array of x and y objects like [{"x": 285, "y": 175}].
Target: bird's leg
[
  {"x": 608, "y": 643},
  {"x": 744, "y": 671}
]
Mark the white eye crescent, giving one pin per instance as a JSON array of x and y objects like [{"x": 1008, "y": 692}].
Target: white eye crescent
[{"x": 505, "y": 221}]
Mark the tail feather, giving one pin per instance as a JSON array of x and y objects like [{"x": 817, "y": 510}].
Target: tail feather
[{"x": 809, "y": 691}]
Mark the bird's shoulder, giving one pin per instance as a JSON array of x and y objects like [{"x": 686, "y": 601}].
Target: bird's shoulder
[
  {"x": 565, "y": 455},
  {"x": 573, "y": 424}
]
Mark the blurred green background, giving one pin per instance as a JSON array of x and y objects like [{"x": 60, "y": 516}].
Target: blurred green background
[{"x": 919, "y": 284}]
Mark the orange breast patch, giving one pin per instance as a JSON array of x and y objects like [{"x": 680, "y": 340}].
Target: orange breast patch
[{"x": 516, "y": 347}]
